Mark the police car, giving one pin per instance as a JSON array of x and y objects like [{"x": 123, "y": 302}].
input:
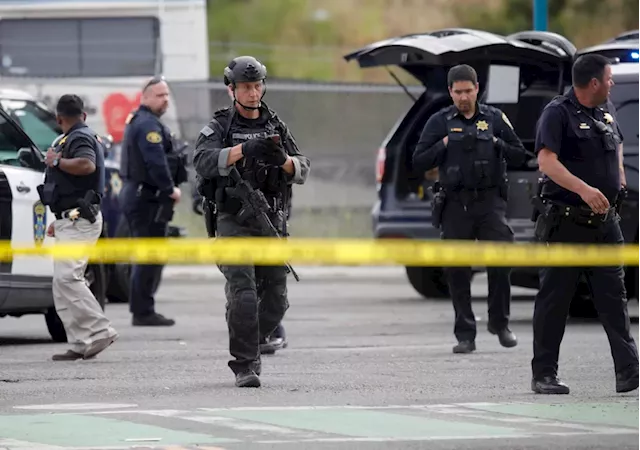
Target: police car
[
  {"x": 519, "y": 74},
  {"x": 25, "y": 282},
  {"x": 27, "y": 129}
]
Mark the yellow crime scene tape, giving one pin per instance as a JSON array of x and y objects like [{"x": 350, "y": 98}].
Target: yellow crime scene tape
[{"x": 273, "y": 251}]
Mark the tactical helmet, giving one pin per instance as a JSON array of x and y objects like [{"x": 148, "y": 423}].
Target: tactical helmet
[{"x": 244, "y": 69}]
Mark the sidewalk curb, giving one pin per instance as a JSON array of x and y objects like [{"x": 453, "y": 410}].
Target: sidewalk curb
[{"x": 315, "y": 273}]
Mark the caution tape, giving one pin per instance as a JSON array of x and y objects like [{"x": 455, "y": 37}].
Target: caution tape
[{"x": 270, "y": 251}]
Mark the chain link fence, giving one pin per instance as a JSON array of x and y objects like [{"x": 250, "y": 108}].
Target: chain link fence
[{"x": 339, "y": 127}]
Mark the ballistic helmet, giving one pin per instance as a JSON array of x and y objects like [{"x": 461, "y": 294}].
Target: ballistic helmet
[{"x": 244, "y": 69}]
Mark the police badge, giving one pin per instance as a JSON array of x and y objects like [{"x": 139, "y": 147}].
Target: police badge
[{"x": 39, "y": 222}]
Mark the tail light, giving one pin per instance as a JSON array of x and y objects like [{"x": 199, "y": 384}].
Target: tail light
[{"x": 380, "y": 162}]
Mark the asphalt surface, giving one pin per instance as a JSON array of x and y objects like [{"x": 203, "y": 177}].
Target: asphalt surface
[{"x": 369, "y": 366}]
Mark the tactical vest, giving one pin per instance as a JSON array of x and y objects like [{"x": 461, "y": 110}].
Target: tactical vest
[
  {"x": 62, "y": 190},
  {"x": 267, "y": 178},
  {"x": 472, "y": 161},
  {"x": 132, "y": 165}
]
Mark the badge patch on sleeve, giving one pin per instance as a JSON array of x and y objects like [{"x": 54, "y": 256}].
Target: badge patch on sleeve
[
  {"x": 608, "y": 117},
  {"x": 154, "y": 137},
  {"x": 506, "y": 120}
]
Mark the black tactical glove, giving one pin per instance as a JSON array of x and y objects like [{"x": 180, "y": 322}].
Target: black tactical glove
[{"x": 265, "y": 150}]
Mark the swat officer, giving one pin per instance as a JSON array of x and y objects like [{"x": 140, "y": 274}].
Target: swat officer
[
  {"x": 73, "y": 187},
  {"x": 576, "y": 147},
  {"x": 240, "y": 137},
  {"x": 469, "y": 144},
  {"x": 151, "y": 172}
]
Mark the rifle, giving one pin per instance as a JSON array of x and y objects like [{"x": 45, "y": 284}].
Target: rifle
[{"x": 255, "y": 205}]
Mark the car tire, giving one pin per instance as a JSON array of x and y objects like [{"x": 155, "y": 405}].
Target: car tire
[
  {"x": 96, "y": 276},
  {"x": 120, "y": 273},
  {"x": 430, "y": 282}
]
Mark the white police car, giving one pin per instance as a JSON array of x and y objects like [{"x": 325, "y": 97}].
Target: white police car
[{"x": 26, "y": 129}]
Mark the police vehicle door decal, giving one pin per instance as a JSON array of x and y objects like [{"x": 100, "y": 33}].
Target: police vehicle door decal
[{"x": 30, "y": 220}]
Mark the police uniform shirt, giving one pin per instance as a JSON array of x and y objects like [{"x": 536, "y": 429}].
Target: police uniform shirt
[
  {"x": 430, "y": 151},
  {"x": 79, "y": 147},
  {"x": 566, "y": 129},
  {"x": 149, "y": 163}
]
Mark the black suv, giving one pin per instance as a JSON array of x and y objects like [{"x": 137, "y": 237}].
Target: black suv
[{"x": 519, "y": 74}]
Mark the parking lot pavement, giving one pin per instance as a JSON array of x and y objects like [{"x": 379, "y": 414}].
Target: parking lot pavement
[{"x": 369, "y": 366}]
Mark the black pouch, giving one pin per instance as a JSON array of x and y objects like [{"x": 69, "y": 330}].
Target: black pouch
[
  {"x": 542, "y": 229},
  {"x": 47, "y": 194},
  {"x": 164, "y": 213}
]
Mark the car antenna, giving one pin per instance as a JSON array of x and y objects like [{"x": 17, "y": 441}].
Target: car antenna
[{"x": 393, "y": 75}]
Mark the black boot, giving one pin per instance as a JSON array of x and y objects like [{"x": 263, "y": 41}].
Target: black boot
[
  {"x": 549, "y": 385},
  {"x": 247, "y": 378},
  {"x": 505, "y": 336},
  {"x": 465, "y": 347},
  {"x": 627, "y": 380}
]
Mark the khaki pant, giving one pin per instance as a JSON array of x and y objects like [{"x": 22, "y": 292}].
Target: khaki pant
[{"x": 79, "y": 311}]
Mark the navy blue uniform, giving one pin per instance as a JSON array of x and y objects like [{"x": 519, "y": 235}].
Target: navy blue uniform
[
  {"x": 570, "y": 130},
  {"x": 144, "y": 198},
  {"x": 472, "y": 172}
]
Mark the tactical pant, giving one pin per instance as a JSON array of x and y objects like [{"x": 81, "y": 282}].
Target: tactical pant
[
  {"x": 557, "y": 288},
  {"x": 82, "y": 317},
  {"x": 145, "y": 278},
  {"x": 477, "y": 215},
  {"x": 256, "y": 301}
]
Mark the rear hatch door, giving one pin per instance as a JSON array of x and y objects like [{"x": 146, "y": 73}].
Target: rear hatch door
[{"x": 416, "y": 53}]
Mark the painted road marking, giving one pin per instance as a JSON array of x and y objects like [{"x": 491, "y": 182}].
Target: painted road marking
[
  {"x": 119, "y": 429},
  {"x": 85, "y": 430},
  {"x": 77, "y": 406}
]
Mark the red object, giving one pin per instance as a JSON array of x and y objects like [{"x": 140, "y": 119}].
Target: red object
[{"x": 115, "y": 109}]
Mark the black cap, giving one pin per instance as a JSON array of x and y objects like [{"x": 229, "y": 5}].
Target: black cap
[{"x": 244, "y": 69}]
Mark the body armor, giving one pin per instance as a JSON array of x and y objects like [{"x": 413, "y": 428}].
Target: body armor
[
  {"x": 472, "y": 162},
  {"x": 62, "y": 190}
]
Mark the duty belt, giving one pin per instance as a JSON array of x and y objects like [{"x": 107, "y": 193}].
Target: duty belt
[
  {"x": 582, "y": 215},
  {"x": 73, "y": 214}
]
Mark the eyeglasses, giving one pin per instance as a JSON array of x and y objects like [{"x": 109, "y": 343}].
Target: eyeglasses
[{"x": 153, "y": 81}]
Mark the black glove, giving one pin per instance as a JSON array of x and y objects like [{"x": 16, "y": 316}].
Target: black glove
[{"x": 264, "y": 150}]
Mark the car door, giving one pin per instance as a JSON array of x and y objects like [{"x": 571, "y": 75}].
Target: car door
[{"x": 22, "y": 173}]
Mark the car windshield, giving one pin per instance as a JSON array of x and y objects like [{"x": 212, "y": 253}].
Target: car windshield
[
  {"x": 11, "y": 141},
  {"x": 38, "y": 122}
]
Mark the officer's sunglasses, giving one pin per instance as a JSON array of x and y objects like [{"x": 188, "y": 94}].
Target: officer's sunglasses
[{"x": 153, "y": 81}]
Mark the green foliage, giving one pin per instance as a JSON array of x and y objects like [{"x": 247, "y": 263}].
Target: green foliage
[
  {"x": 236, "y": 26},
  {"x": 511, "y": 17}
]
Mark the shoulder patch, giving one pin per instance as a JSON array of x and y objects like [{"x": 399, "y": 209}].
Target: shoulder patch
[
  {"x": 608, "y": 118},
  {"x": 506, "y": 120},
  {"x": 207, "y": 131},
  {"x": 154, "y": 137}
]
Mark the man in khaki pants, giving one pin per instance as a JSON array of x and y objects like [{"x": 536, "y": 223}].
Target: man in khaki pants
[{"x": 73, "y": 187}]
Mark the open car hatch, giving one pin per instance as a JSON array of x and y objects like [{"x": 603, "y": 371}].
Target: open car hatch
[{"x": 448, "y": 47}]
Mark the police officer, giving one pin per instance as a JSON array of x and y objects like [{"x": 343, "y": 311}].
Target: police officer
[
  {"x": 576, "y": 147},
  {"x": 469, "y": 144},
  {"x": 239, "y": 138},
  {"x": 73, "y": 187},
  {"x": 151, "y": 172}
]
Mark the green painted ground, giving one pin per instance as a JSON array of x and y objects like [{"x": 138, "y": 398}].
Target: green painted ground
[{"x": 212, "y": 427}]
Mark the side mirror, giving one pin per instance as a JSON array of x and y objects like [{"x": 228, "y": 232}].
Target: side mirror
[{"x": 28, "y": 158}]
